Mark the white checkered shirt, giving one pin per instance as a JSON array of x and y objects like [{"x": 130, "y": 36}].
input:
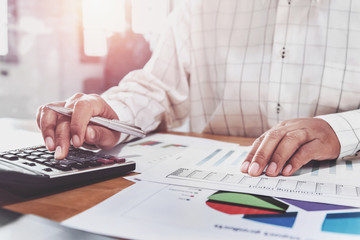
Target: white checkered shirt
[{"x": 238, "y": 67}]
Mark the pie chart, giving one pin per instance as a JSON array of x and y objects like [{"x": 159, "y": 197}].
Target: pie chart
[{"x": 254, "y": 207}]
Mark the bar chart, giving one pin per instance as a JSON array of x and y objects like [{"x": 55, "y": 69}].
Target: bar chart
[{"x": 326, "y": 181}]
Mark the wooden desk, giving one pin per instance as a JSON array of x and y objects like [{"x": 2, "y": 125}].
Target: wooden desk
[{"x": 62, "y": 205}]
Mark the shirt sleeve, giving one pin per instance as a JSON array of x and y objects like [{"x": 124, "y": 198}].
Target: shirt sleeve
[
  {"x": 158, "y": 94},
  {"x": 347, "y": 128}
]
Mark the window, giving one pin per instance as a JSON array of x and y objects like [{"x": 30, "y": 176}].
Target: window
[
  {"x": 100, "y": 20},
  {"x": 8, "y": 36},
  {"x": 4, "y": 42},
  {"x": 149, "y": 16}
]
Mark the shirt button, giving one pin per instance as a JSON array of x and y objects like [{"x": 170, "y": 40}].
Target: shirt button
[{"x": 283, "y": 52}]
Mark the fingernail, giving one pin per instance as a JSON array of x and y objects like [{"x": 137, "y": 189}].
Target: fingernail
[
  {"x": 49, "y": 143},
  {"x": 76, "y": 141},
  {"x": 58, "y": 152},
  {"x": 245, "y": 166},
  {"x": 90, "y": 133},
  {"x": 271, "y": 168},
  {"x": 287, "y": 169},
  {"x": 254, "y": 168}
]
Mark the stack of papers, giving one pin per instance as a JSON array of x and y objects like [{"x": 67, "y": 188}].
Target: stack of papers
[{"x": 193, "y": 187}]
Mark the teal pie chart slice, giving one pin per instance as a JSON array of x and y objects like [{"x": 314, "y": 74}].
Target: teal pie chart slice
[{"x": 346, "y": 223}]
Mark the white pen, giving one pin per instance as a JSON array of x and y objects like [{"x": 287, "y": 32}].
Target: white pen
[
  {"x": 112, "y": 124},
  {"x": 351, "y": 157}
]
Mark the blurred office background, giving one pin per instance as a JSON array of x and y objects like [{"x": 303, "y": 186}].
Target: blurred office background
[{"x": 51, "y": 49}]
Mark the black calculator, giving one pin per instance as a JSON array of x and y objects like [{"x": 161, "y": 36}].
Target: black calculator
[{"x": 34, "y": 170}]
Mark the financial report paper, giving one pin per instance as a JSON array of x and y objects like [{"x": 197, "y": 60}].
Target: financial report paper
[
  {"x": 159, "y": 211},
  {"x": 219, "y": 168}
]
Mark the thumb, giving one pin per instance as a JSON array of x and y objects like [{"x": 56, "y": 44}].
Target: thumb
[{"x": 101, "y": 137}]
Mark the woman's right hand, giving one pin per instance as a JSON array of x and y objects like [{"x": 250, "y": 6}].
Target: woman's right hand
[{"x": 60, "y": 131}]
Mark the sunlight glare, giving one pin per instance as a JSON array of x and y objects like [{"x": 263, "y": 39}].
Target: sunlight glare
[
  {"x": 101, "y": 18},
  {"x": 4, "y": 44}
]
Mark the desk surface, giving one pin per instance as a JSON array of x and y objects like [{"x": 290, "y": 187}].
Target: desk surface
[{"x": 69, "y": 202}]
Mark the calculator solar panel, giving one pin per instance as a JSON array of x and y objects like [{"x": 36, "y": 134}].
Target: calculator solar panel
[{"x": 34, "y": 169}]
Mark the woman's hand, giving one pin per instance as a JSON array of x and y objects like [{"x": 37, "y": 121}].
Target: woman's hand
[
  {"x": 290, "y": 145},
  {"x": 58, "y": 130}
]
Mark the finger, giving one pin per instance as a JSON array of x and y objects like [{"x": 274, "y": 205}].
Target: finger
[
  {"x": 38, "y": 115},
  {"x": 62, "y": 137},
  {"x": 80, "y": 118},
  {"x": 47, "y": 123},
  {"x": 47, "y": 120},
  {"x": 70, "y": 102},
  {"x": 265, "y": 150},
  {"x": 86, "y": 107},
  {"x": 42, "y": 109},
  {"x": 101, "y": 137},
  {"x": 289, "y": 144},
  {"x": 246, "y": 163},
  {"x": 302, "y": 156}
]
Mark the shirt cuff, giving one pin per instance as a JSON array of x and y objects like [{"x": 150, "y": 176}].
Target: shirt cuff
[{"x": 346, "y": 126}]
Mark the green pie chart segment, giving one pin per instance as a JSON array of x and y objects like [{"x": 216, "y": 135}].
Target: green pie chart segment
[{"x": 248, "y": 200}]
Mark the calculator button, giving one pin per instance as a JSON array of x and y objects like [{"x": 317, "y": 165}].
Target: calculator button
[
  {"x": 10, "y": 157},
  {"x": 40, "y": 160},
  {"x": 42, "y": 149},
  {"x": 87, "y": 159},
  {"x": 51, "y": 162},
  {"x": 83, "y": 160},
  {"x": 118, "y": 160},
  {"x": 79, "y": 165},
  {"x": 29, "y": 151},
  {"x": 22, "y": 155},
  {"x": 94, "y": 163},
  {"x": 66, "y": 162},
  {"x": 37, "y": 153},
  {"x": 62, "y": 167},
  {"x": 72, "y": 157},
  {"x": 105, "y": 161},
  {"x": 47, "y": 169},
  {"x": 47, "y": 156},
  {"x": 31, "y": 157}
]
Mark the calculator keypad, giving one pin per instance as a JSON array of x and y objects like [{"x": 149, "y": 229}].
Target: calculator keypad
[{"x": 40, "y": 159}]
